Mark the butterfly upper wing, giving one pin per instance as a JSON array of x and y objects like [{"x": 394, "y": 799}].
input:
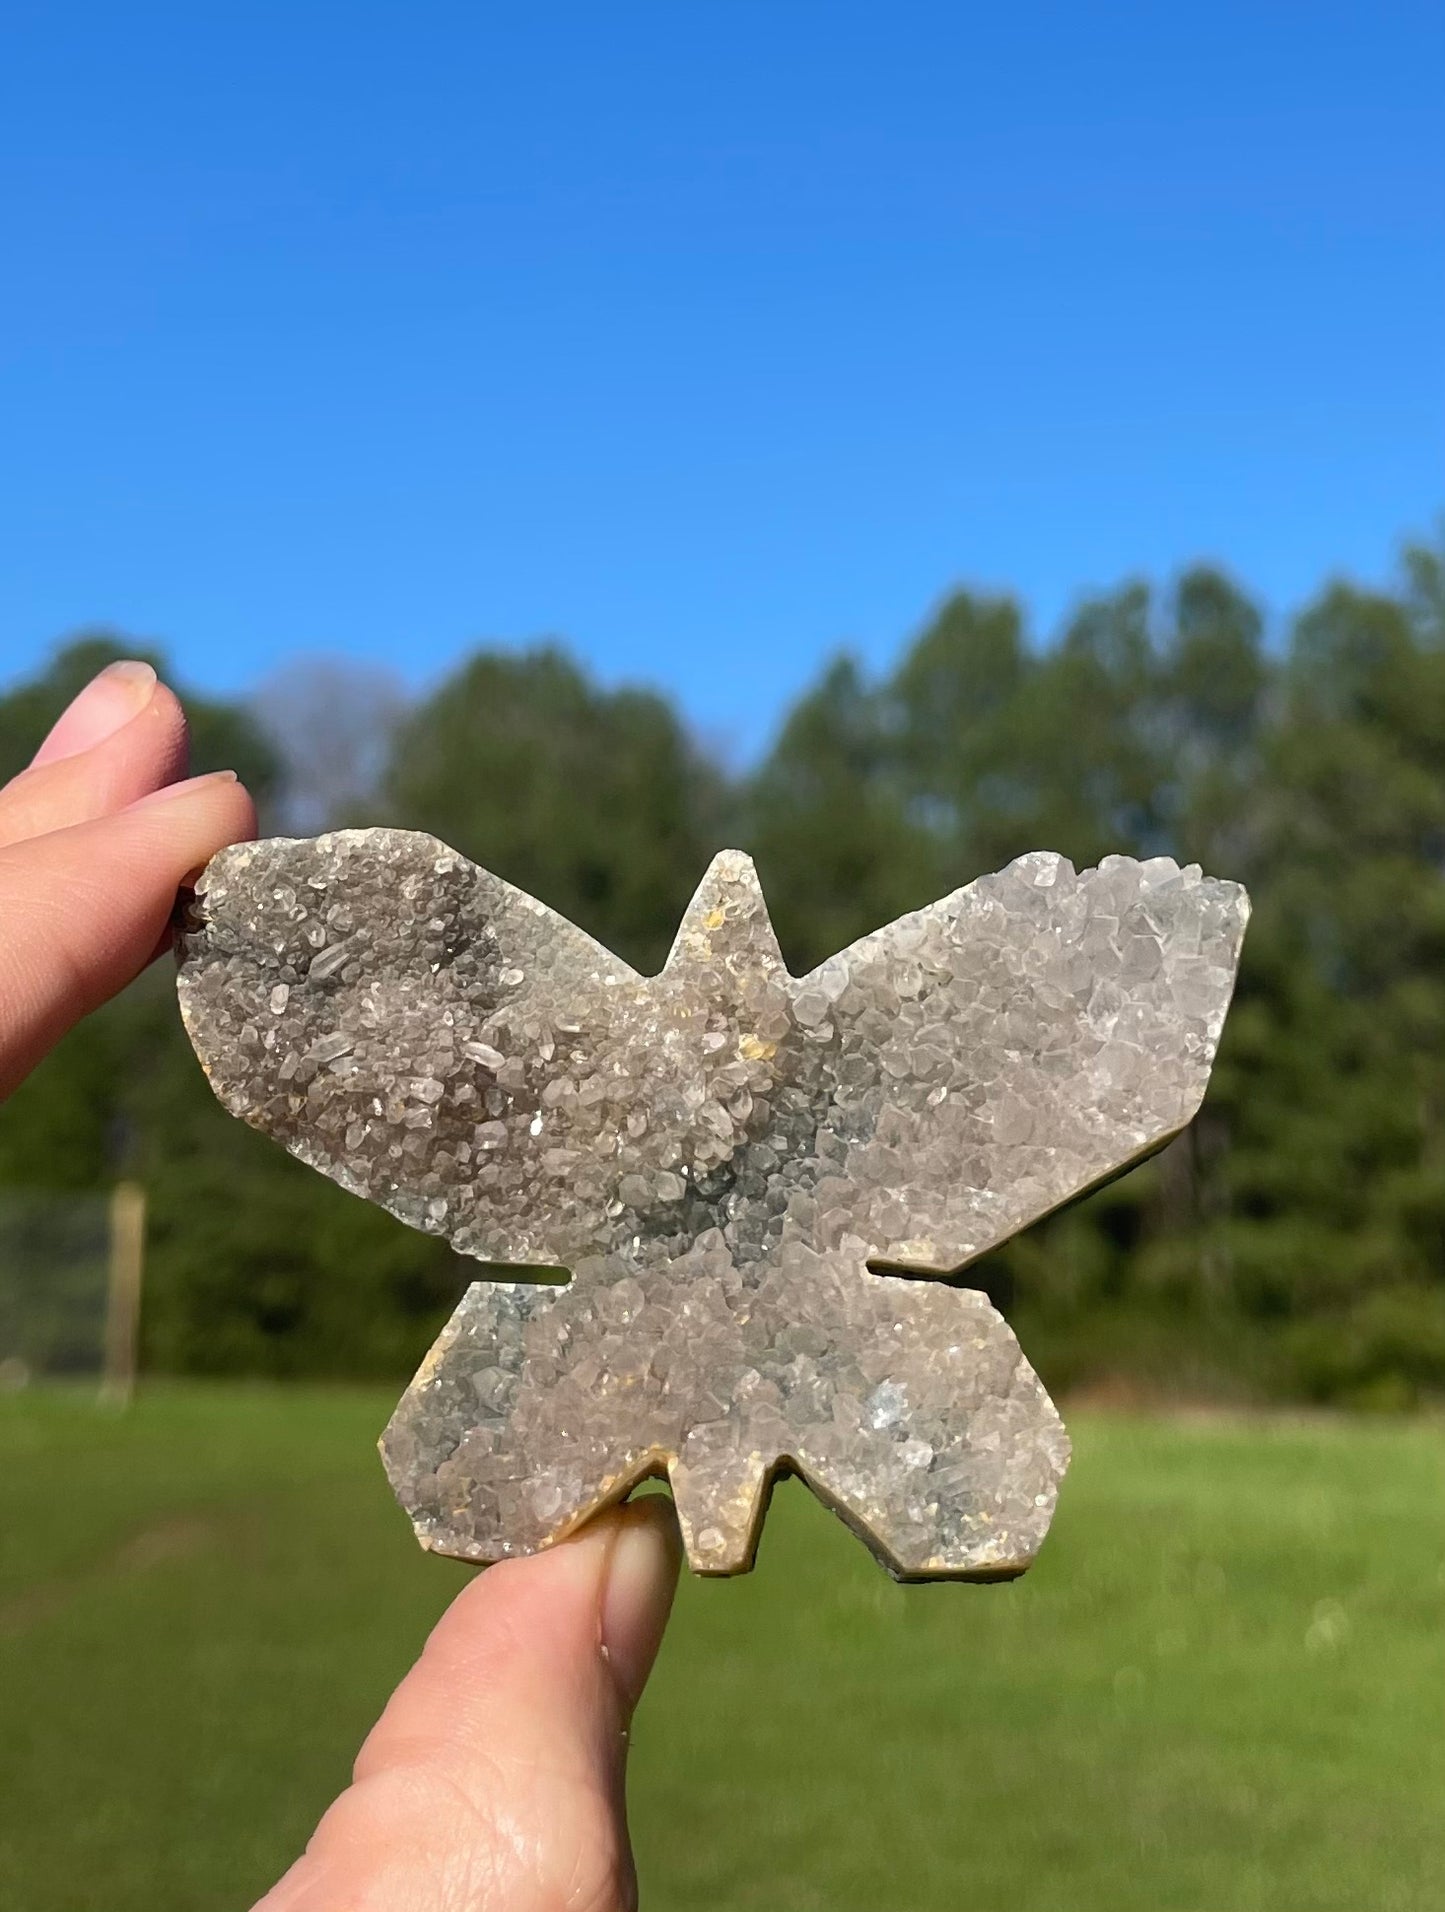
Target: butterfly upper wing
[
  {"x": 1013, "y": 1045},
  {"x": 394, "y": 1015}
]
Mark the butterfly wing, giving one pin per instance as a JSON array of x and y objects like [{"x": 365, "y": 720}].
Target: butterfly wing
[
  {"x": 395, "y": 1015},
  {"x": 1011, "y": 1046}
]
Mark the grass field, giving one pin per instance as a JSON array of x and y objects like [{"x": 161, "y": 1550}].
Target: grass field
[{"x": 1222, "y": 1688}]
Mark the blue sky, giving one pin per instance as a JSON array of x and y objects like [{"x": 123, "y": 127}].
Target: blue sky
[{"x": 710, "y": 337}]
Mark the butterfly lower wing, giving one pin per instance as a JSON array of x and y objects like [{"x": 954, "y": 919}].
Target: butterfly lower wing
[
  {"x": 953, "y": 1467},
  {"x": 496, "y": 1448}
]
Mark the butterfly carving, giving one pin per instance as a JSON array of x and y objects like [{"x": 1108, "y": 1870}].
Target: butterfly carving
[{"x": 726, "y": 1214}]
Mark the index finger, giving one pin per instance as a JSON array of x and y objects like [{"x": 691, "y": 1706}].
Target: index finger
[{"x": 83, "y": 909}]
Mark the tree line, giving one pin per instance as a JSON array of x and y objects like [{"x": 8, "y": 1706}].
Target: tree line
[{"x": 1290, "y": 1245}]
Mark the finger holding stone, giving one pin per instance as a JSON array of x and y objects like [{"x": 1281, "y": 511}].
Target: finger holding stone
[
  {"x": 85, "y": 907},
  {"x": 122, "y": 737},
  {"x": 494, "y": 1779}
]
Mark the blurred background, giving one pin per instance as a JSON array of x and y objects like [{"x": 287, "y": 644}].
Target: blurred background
[{"x": 887, "y": 440}]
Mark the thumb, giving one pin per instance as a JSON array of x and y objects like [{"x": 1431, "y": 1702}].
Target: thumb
[{"x": 494, "y": 1779}]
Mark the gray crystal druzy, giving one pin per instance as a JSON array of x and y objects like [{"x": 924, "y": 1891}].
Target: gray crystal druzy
[{"x": 744, "y": 1174}]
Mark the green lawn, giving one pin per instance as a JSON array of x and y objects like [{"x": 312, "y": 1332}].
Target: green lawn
[{"x": 1223, "y": 1687}]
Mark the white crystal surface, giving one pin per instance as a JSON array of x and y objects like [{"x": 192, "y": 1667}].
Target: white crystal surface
[{"x": 716, "y": 1154}]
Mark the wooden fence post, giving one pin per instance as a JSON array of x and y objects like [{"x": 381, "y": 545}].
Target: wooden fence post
[{"x": 127, "y": 1267}]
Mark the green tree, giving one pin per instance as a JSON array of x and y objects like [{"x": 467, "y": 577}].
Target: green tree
[
  {"x": 1292, "y": 1242},
  {"x": 594, "y": 801},
  {"x": 836, "y": 849},
  {"x": 1337, "y": 1166}
]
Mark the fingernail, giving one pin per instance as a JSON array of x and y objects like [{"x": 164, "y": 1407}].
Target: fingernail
[
  {"x": 173, "y": 792},
  {"x": 637, "y": 1592},
  {"x": 120, "y": 692}
]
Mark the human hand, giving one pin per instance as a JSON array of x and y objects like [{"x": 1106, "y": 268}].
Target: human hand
[
  {"x": 96, "y": 836},
  {"x": 493, "y": 1782},
  {"x": 494, "y": 1778}
]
